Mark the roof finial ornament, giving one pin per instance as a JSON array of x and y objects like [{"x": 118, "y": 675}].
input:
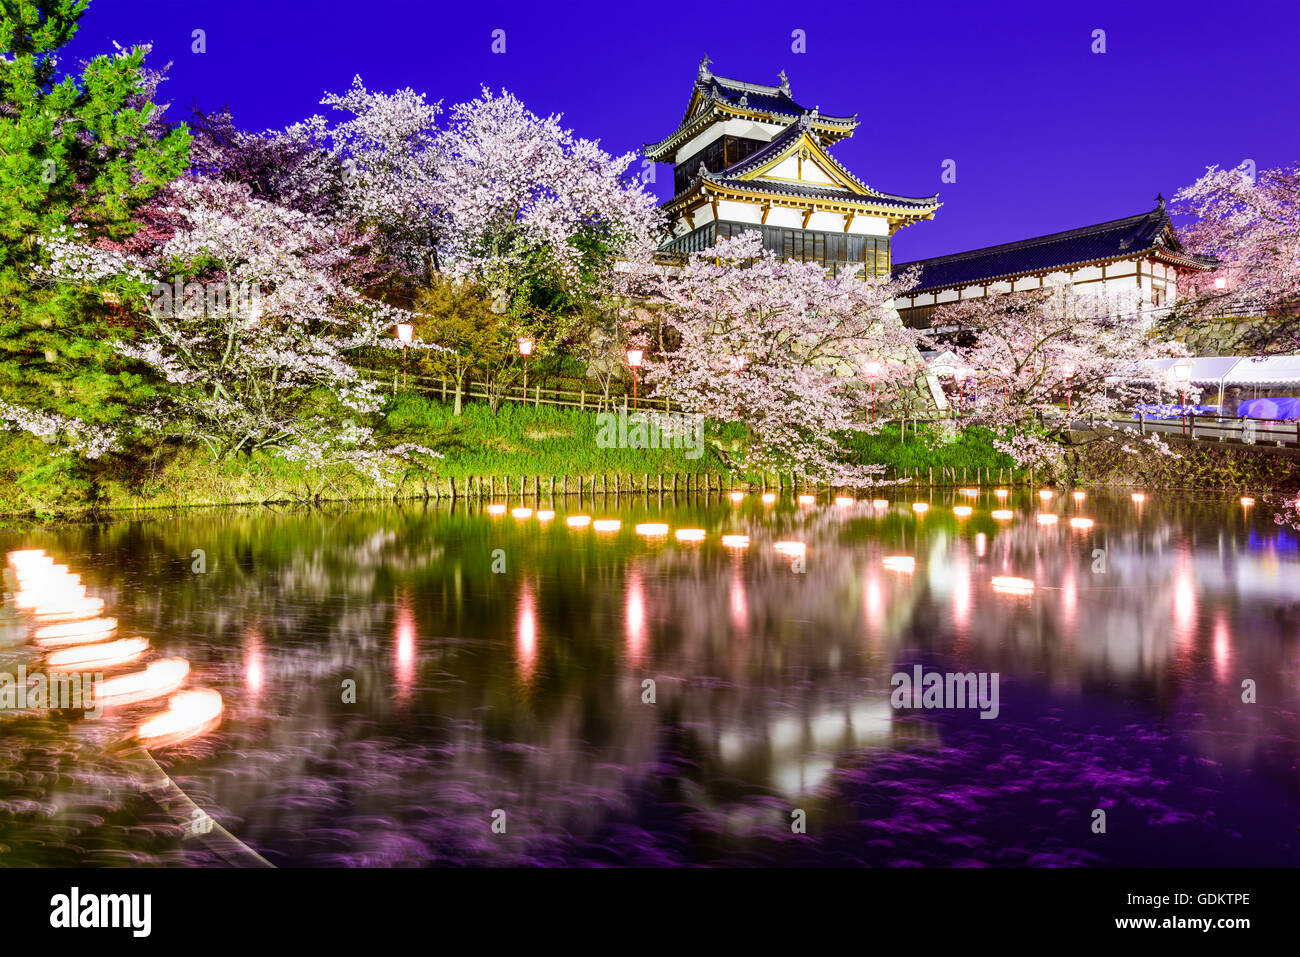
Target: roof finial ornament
[
  {"x": 1160, "y": 202},
  {"x": 785, "y": 83},
  {"x": 704, "y": 67}
]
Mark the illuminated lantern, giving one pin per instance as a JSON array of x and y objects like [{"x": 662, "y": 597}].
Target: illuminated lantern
[
  {"x": 1013, "y": 586},
  {"x": 189, "y": 713}
]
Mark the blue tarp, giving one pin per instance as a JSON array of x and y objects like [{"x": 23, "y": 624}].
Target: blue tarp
[
  {"x": 1285, "y": 407},
  {"x": 1153, "y": 410}
]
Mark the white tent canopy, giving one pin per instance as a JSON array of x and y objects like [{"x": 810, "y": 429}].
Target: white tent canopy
[
  {"x": 1224, "y": 372},
  {"x": 1206, "y": 370},
  {"x": 1265, "y": 371}
]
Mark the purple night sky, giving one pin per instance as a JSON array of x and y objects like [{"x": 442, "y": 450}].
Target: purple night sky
[{"x": 1046, "y": 135}]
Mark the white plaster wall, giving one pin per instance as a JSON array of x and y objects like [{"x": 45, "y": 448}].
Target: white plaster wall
[
  {"x": 869, "y": 226},
  {"x": 747, "y": 129},
  {"x": 788, "y": 168},
  {"x": 826, "y": 222},
  {"x": 812, "y": 173},
  {"x": 785, "y": 217},
  {"x": 736, "y": 212}
]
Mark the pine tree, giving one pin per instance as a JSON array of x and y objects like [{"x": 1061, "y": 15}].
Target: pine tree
[{"x": 77, "y": 151}]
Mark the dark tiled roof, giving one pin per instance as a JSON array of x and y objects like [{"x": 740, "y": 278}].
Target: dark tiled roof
[
  {"x": 1118, "y": 238},
  {"x": 765, "y": 99},
  {"x": 775, "y": 101},
  {"x": 819, "y": 192}
]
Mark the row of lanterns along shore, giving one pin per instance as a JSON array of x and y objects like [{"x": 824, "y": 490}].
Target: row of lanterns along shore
[{"x": 73, "y": 637}]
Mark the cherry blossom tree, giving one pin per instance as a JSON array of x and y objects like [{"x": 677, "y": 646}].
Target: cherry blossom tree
[
  {"x": 1041, "y": 360},
  {"x": 779, "y": 347},
  {"x": 295, "y": 167},
  {"x": 389, "y": 150},
  {"x": 1249, "y": 224},
  {"x": 250, "y": 319},
  {"x": 531, "y": 207}
]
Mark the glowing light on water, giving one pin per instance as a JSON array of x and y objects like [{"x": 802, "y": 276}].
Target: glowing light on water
[
  {"x": 607, "y": 525},
  {"x": 46, "y": 576},
  {"x": 791, "y": 548},
  {"x": 1222, "y": 650},
  {"x": 104, "y": 655},
  {"x": 1046, "y": 518},
  {"x": 899, "y": 563},
  {"x": 737, "y": 496},
  {"x": 75, "y": 632},
  {"x": 404, "y": 647},
  {"x": 652, "y": 529},
  {"x": 735, "y": 541},
  {"x": 970, "y": 492},
  {"x": 1000, "y": 492},
  {"x": 69, "y": 610},
  {"x": 843, "y": 500},
  {"x": 962, "y": 511},
  {"x": 690, "y": 534},
  {"x": 981, "y": 544},
  {"x": 961, "y": 595},
  {"x": 1045, "y": 494},
  {"x": 768, "y": 498},
  {"x": 1069, "y": 599},
  {"x": 1011, "y": 585},
  {"x": 1081, "y": 523},
  {"x": 254, "y": 674},
  {"x": 1139, "y": 497},
  {"x": 1184, "y": 607},
  {"x": 879, "y": 503},
  {"x": 1247, "y": 502},
  {"x": 634, "y": 612},
  {"x": 545, "y": 514},
  {"x": 526, "y": 634},
  {"x": 28, "y": 556},
  {"x": 158, "y": 678},
  {"x": 807, "y": 499},
  {"x": 578, "y": 521},
  {"x": 920, "y": 508},
  {"x": 1080, "y": 496},
  {"x": 739, "y": 603},
  {"x": 521, "y": 513},
  {"x": 873, "y": 602},
  {"x": 496, "y": 508},
  {"x": 189, "y": 713},
  {"x": 1003, "y": 514},
  {"x": 48, "y": 593}
]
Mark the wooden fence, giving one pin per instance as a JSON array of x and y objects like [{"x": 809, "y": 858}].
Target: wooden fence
[
  {"x": 1218, "y": 430},
  {"x": 583, "y": 398},
  {"x": 493, "y": 487}
]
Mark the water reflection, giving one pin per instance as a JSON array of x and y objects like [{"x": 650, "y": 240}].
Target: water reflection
[{"x": 484, "y": 682}]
